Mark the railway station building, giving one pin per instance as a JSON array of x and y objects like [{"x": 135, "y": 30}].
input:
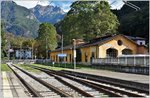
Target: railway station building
[{"x": 109, "y": 46}]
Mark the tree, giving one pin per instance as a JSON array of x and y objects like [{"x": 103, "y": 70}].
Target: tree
[
  {"x": 46, "y": 39},
  {"x": 3, "y": 42},
  {"x": 27, "y": 43},
  {"x": 88, "y": 19}
]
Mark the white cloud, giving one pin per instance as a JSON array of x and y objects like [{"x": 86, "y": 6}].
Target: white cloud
[
  {"x": 44, "y": 3},
  {"x": 65, "y": 5},
  {"x": 116, "y": 4},
  {"x": 31, "y": 4}
]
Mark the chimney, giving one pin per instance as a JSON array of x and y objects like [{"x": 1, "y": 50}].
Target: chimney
[{"x": 78, "y": 41}]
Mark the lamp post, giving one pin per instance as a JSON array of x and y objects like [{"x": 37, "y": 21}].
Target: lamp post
[
  {"x": 32, "y": 50},
  {"x": 71, "y": 56},
  {"x": 35, "y": 53},
  {"x": 46, "y": 49},
  {"x": 74, "y": 52},
  {"x": 21, "y": 54}
]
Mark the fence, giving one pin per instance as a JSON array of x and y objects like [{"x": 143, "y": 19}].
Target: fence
[{"x": 131, "y": 60}]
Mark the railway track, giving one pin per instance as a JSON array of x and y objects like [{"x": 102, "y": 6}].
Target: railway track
[
  {"x": 27, "y": 85},
  {"x": 61, "y": 92},
  {"x": 44, "y": 89},
  {"x": 110, "y": 90}
]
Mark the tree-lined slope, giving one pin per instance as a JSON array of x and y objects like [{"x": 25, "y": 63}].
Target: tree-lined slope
[{"x": 18, "y": 20}]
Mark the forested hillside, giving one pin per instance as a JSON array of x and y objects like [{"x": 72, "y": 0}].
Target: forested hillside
[
  {"x": 132, "y": 22},
  {"x": 18, "y": 20}
]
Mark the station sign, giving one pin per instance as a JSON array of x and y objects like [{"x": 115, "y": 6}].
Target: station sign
[{"x": 61, "y": 55}]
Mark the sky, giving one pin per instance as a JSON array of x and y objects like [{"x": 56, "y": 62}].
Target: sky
[{"x": 64, "y": 4}]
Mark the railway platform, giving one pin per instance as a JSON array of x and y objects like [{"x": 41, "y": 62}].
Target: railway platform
[
  {"x": 11, "y": 87},
  {"x": 117, "y": 75}
]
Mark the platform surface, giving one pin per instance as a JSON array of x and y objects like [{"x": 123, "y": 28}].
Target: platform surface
[
  {"x": 117, "y": 75},
  {"x": 7, "y": 93},
  {"x": 11, "y": 87}
]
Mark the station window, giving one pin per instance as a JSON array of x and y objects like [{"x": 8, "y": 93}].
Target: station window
[
  {"x": 120, "y": 42},
  {"x": 141, "y": 43},
  {"x": 70, "y": 58},
  {"x": 112, "y": 53},
  {"x": 86, "y": 57},
  {"x": 66, "y": 58}
]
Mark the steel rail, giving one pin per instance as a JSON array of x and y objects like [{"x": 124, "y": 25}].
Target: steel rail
[
  {"x": 55, "y": 89},
  {"x": 65, "y": 83},
  {"x": 27, "y": 85}
]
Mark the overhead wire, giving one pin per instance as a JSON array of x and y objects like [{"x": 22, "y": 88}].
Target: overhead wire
[{"x": 131, "y": 5}]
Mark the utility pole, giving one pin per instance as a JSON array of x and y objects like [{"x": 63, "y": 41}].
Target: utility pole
[
  {"x": 20, "y": 51},
  {"x": 8, "y": 50},
  {"x": 62, "y": 47},
  {"x": 62, "y": 44},
  {"x": 32, "y": 50}
]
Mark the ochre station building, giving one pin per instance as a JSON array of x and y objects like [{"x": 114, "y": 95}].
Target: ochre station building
[{"x": 109, "y": 46}]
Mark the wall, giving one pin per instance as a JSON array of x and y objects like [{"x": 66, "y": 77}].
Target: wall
[
  {"x": 142, "y": 50},
  {"x": 55, "y": 58},
  {"x": 88, "y": 51},
  {"x": 113, "y": 44}
]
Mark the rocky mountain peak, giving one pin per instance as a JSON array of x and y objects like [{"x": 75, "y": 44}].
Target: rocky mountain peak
[{"x": 49, "y": 13}]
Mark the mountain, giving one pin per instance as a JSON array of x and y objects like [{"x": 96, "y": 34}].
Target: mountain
[
  {"x": 25, "y": 22},
  {"x": 18, "y": 20},
  {"x": 132, "y": 22},
  {"x": 51, "y": 14}
]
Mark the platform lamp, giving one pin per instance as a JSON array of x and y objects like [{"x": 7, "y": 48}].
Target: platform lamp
[{"x": 74, "y": 52}]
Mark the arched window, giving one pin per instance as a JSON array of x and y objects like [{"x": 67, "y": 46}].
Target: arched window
[
  {"x": 126, "y": 51},
  {"x": 119, "y": 42},
  {"x": 112, "y": 53}
]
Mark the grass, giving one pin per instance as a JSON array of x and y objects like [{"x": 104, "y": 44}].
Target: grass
[
  {"x": 47, "y": 66},
  {"x": 62, "y": 66},
  {"x": 70, "y": 66},
  {"x": 50, "y": 66},
  {"x": 4, "y": 67},
  {"x": 28, "y": 68}
]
